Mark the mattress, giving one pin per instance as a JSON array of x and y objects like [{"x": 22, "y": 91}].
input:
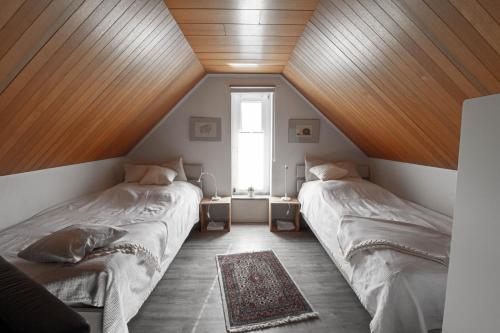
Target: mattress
[
  {"x": 402, "y": 293},
  {"x": 119, "y": 282}
]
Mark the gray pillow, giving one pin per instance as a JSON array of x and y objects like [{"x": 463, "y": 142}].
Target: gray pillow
[{"x": 71, "y": 244}]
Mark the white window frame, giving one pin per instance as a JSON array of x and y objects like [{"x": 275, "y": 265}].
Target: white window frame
[{"x": 266, "y": 98}]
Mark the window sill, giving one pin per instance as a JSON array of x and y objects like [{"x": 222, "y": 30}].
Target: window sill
[{"x": 246, "y": 197}]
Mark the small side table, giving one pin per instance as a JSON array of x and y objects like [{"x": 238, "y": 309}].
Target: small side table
[
  {"x": 273, "y": 201},
  {"x": 205, "y": 203}
]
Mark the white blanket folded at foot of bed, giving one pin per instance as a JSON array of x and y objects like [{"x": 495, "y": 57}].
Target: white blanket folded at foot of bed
[{"x": 356, "y": 234}]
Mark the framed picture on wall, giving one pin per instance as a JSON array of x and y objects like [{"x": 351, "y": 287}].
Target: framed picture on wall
[
  {"x": 303, "y": 130},
  {"x": 204, "y": 129}
]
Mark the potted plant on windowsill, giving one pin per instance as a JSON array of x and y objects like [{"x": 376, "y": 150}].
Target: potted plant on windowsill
[{"x": 251, "y": 191}]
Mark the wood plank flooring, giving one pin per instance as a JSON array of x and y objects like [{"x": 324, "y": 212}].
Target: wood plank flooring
[{"x": 187, "y": 299}]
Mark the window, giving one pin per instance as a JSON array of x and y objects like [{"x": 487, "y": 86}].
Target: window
[{"x": 251, "y": 114}]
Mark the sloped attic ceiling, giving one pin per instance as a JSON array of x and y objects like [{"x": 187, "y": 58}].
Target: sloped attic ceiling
[
  {"x": 86, "y": 80},
  {"x": 83, "y": 80},
  {"x": 393, "y": 74},
  {"x": 242, "y": 35}
]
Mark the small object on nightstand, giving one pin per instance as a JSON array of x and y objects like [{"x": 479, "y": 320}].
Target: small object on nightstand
[
  {"x": 281, "y": 225},
  {"x": 215, "y": 226},
  {"x": 285, "y": 225},
  {"x": 209, "y": 224}
]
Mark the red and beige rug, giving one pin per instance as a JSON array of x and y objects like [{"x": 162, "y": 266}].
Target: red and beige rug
[{"x": 257, "y": 292}]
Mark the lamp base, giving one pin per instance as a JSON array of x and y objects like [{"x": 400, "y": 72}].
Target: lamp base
[
  {"x": 215, "y": 198},
  {"x": 286, "y": 198}
]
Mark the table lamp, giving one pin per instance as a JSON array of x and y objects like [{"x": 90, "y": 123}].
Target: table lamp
[{"x": 215, "y": 197}]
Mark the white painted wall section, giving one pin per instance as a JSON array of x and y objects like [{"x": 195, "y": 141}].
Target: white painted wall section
[
  {"x": 430, "y": 187},
  {"x": 473, "y": 292},
  {"x": 211, "y": 98},
  {"x": 23, "y": 195}
]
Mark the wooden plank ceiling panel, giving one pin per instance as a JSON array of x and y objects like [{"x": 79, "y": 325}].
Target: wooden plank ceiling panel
[
  {"x": 226, "y": 32},
  {"x": 245, "y": 4},
  {"x": 261, "y": 68},
  {"x": 393, "y": 75},
  {"x": 9, "y": 8},
  {"x": 83, "y": 80},
  {"x": 88, "y": 89},
  {"x": 86, "y": 80},
  {"x": 242, "y": 56},
  {"x": 283, "y": 30}
]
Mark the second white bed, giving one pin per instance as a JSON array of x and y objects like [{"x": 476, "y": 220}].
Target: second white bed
[{"x": 403, "y": 293}]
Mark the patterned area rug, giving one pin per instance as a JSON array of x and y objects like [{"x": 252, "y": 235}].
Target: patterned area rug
[{"x": 257, "y": 292}]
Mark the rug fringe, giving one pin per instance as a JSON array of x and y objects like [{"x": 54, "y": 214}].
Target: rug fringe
[{"x": 273, "y": 323}]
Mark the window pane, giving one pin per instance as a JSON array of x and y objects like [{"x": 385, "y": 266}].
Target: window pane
[
  {"x": 251, "y": 116},
  {"x": 251, "y": 139},
  {"x": 251, "y": 161}
]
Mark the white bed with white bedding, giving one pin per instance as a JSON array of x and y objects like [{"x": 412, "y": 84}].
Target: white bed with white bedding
[
  {"x": 158, "y": 218},
  {"x": 404, "y": 292}
]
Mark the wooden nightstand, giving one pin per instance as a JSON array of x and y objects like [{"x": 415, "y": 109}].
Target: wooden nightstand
[
  {"x": 273, "y": 201},
  {"x": 205, "y": 202}
]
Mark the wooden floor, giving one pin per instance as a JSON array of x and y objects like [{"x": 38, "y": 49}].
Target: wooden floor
[{"x": 188, "y": 300}]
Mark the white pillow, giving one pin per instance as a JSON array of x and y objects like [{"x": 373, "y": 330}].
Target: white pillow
[
  {"x": 309, "y": 163},
  {"x": 71, "y": 244},
  {"x": 312, "y": 161},
  {"x": 328, "y": 171},
  {"x": 134, "y": 173},
  {"x": 157, "y": 175},
  {"x": 178, "y": 166}
]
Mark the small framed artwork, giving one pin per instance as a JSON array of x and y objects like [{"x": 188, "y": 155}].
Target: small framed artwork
[
  {"x": 303, "y": 130},
  {"x": 204, "y": 129}
]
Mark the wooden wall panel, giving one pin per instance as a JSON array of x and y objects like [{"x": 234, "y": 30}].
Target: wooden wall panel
[
  {"x": 392, "y": 75},
  {"x": 86, "y": 80}
]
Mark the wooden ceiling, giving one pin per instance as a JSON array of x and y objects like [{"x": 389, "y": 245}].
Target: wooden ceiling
[
  {"x": 86, "y": 80},
  {"x": 392, "y": 75},
  {"x": 83, "y": 80},
  {"x": 238, "y": 36}
]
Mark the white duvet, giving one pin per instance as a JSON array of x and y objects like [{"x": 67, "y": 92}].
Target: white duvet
[
  {"x": 403, "y": 293},
  {"x": 159, "y": 219}
]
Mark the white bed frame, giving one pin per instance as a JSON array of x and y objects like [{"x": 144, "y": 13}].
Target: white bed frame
[{"x": 93, "y": 315}]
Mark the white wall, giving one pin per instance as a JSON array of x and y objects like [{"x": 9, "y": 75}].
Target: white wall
[
  {"x": 211, "y": 98},
  {"x": 25, "y": 194},
  {"x": 473, "y": 292},
  {"x": 430, "y": 187}
]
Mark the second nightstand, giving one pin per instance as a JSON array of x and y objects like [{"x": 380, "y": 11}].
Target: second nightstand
[
  {"x": 274, "y": 201},
  {"x": 204, "y": 205}
]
